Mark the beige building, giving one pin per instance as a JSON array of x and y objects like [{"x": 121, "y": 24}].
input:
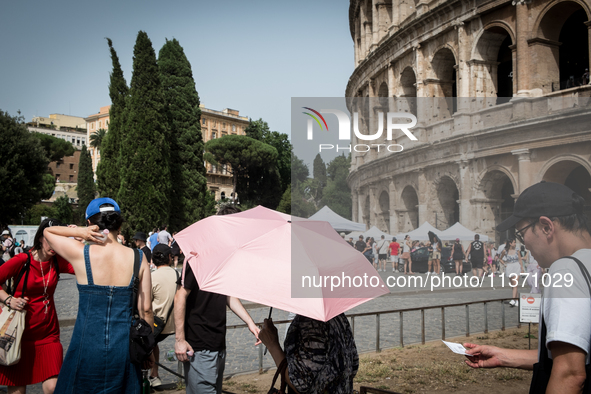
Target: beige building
[
  {"x": 501, "y": 94},
  {"x": 94, "y": 123},
  {"x": 59, "y": 122},
  {"x": 216, "y": 124}
]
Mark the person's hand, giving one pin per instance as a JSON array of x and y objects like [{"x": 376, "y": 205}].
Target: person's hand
[
  {"x": 149, "y": 363},
  {"x": 483, "y": 356},
  {"x": 91, "y": 234},
  {"x": 255, "y": 331},
  {"x": 18, "y": 304},
  {"x": 268, "y": 335},
  {"x": 181, "y": 347}
]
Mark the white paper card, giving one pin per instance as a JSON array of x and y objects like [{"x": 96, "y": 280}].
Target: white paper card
[{"x": 456, "y": 348}]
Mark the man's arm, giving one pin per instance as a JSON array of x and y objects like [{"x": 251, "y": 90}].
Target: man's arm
[
  {"x": 493, "y": 357},
  {"x": 181, "y": 347},
  {"x": 237, "y": 307},
  {"x": 568, "y": 368}
]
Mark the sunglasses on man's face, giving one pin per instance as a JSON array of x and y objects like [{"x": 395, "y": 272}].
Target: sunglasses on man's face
[{"x": 521, "y": 232}]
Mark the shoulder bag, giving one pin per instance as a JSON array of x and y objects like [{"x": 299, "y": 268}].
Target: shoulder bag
[
  {"x": 141, "y": 338},
  {"x": 12, "y": 322}
]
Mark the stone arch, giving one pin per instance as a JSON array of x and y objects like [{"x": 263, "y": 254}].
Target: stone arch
[
  {"x": 562, "y": 38},
  {"x": 495, "y": 201},
  {"x": 383, "y": 95},
  {"x": 573, "y": 172},
  {"x": 409, "y": 218},
  {"x": 384, "y": 214},
  {"x": 492, "y": 61},
  {"x": 447, "y": 208},
  {"x": 408, "y": 86},
  {"x": 444, "y": 84}
]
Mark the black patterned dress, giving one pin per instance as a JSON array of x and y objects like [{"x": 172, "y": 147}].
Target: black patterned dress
[{"x": 321, "y": 357}]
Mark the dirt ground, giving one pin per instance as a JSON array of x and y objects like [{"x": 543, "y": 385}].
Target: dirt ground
[{"x": 429, "y": 368}]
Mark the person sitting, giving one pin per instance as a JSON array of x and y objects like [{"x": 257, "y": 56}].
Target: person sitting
[{"x": 319, "y": 357}]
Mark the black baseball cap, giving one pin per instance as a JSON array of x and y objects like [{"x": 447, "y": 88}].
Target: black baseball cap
[
  {"x": 542, "y": 199},
  {"x": 140, "y": 236},
  {"x": 162, "y": 248}
]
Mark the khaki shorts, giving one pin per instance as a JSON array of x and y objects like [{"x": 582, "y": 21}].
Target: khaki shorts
[{"x": 436, "y": 255}]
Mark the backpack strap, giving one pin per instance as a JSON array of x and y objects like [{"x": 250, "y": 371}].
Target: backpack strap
[
  {"x": 584, "y": 271},
  {"x": 172, "y": 305},
  {"x": 137, "y": 254},
  {"x": 24, "y": 271}
]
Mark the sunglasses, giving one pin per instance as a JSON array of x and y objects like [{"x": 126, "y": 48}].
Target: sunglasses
[{"x": 521, "y": 232}]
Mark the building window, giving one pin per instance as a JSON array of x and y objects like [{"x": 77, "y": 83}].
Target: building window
[
  {"x": 213, "y": 169},
  {"x": 224, "y": 125},
  {"x": 57, "y": 165},
  {"x": 204, "y": 122},
  {"x": 223, "y": 195},
  {"x": 83, "y": 140},
  {"x": 213, "y": 136},
  {"x": 57, "y": 177},
  {"x": 233, "y": 127},
  {"x": 78, "y": 141},
  {"x": 224, "y": 169},
  {"x": 71, "y": 178},
  {"x": 71, "y": 166}
]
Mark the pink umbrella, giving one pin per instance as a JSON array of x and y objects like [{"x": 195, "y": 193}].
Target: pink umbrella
[{"x": 279, "y": 260}]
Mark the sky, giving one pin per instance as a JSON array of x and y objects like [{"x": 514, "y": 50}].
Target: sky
[{"x": 252, "y": 56}]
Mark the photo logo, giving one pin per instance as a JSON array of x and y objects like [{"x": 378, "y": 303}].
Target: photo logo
[{"x": 392, "y": 123}]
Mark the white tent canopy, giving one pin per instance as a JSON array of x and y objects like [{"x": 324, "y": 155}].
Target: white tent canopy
[
  {"x": 421, "y": 233},
  {"x": 374, "y": 232},
  {"x": 337, "y": 222},
  {"x": 461, "y": 232}
]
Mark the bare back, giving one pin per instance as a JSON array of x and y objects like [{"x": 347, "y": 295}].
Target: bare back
[{"x": 112, "y": 265}]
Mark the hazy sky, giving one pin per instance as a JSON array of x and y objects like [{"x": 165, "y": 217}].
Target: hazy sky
[{"x": 252, "y": 56}]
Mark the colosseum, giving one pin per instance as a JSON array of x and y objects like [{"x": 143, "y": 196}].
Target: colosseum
[{"x": 502, "y": 97}]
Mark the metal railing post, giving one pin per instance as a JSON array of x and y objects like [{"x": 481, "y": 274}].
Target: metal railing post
[
  {"x": 485, "y": 318},
  {"x": 353, "y": 325},
  {"x": 401, "y": 331},
  {"x": 423, "y": 326},
  {"x": 443, "y": 323},
  {"x": 377, "y": 332},
  {"x": 467, "y": 320},
  {"x": 503, "y": 315},
  {"x": 261, "y": 358}
]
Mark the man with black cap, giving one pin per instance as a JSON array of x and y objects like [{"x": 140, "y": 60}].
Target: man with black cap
[
  {"x": 549, "y": 219},
  {"x": 140, "y": 242}
]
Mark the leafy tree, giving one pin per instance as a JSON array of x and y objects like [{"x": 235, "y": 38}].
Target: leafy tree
[
  {"x": 320, "y": 170},
  {"x": 34, "y": 215},
  {"x": 285, "y": 203},
  {"x": 252, "y": 164},
  {"x": 145, "y": 173},
  {"x": 55, "y": 148},
  {"x": 96, "y": 139},
  {"x": 299, "y": 169},
  {"x": 63, "y": 209},
  {"x": 23, "y": 163},
  {"x": 300, "y": 206},
  {"x": 337, "y": 194},
  {"x": 85, "y": 188},
  {"x": 48, "y": 186},
  {"x": 259, "y": 130},
  {"x": 107, "y": 172},
  {"x": 190, "y": 199}
]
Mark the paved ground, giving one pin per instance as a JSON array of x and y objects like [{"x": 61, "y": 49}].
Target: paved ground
[{"x": 242, "y": 356}]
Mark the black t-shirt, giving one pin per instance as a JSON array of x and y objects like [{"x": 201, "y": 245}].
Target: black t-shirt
[
  {"x": 360, "y": 245},
  {"x": 205, "y": 316},
  {"x": 477, "y": 251},
  {"x": 146, "y": 250}
]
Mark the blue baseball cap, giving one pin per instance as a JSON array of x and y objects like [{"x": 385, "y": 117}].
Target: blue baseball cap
[{"x": 95, "y": 206}]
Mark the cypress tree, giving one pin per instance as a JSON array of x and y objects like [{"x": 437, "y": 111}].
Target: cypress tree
[
  {"x": 145, "y": 156},
  {"x": 85, "y": 186},
  {"x": 107, "y": 171},
  {"x": 190, "y": 200}
]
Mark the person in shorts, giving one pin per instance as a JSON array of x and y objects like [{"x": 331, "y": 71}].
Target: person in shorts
[
  {"x": 477, "y": 256},
  {"x": 382, "y": 248},
  {"x": 394, "y": 252}
]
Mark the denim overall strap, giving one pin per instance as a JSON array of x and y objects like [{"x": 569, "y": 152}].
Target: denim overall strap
[{"x": 87, "y": 263}]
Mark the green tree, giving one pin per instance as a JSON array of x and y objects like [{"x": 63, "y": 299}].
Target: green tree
[
  {"x": 259, "y": 130},
  {"x": 190, "y": 199},
  {"x": 63, "y": 209},
  {"x": 107, "y": 172},
  {"x": 300, "y": 206},
  {"x": 250, "y": 160},
  {"x": 23, "y": 163},
  {"x": 285, "y": 203},
  {"x": 34, "y": 215},
  {"x": 145, "y": 173},
  {"x": 85, "y": 188},
  {"x": 96, "y": 139},
  {"x": 48, "y": 186},
  {"x": 337, "y": 194},
  {"x": 55, "y": 148}
]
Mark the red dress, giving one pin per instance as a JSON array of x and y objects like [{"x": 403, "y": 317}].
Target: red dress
[{"x": 41, "y": 351}]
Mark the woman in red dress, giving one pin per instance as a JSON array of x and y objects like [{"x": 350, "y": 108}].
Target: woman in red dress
[{"x": 41, "y": 351}]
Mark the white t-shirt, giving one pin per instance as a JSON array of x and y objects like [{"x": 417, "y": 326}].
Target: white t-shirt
[
  {"x": 383, "y": 246},
  {"x": 567, "y": 310},
  {"x": 405, "y": 247}
]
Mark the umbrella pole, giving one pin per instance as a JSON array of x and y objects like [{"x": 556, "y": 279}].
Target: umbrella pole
[{"x": 270, "y": 312}]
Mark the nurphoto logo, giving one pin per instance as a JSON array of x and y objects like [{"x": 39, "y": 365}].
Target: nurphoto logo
[{"x": 394, "y": 121}]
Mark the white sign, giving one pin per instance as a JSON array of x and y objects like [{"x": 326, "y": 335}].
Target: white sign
[
  {"x": 456, "y": 347},
  {"x": 529, "y": 308}
]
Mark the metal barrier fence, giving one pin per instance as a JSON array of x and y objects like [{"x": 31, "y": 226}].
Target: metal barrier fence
[{"x": 400, "y": 313}]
